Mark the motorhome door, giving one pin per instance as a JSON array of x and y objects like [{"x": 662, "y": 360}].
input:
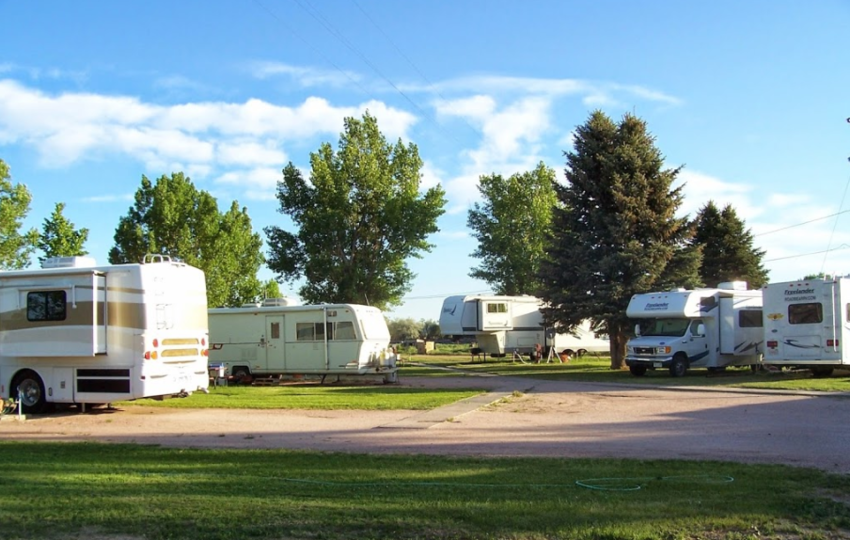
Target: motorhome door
[
  {"x": 696, "y": 344},
  {"x": 494, "y": 315},
  {"x": 274, "y": 343}
]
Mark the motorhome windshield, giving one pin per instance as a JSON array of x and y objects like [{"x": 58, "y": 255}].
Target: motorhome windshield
[{"x": 665, "y": 327}]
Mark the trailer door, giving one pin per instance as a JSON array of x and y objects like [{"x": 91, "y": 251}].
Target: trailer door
[
  {"x": 274, "y": 343},
  {"x": 99, "y": 315},
  {"x": 494, "y": 315}
]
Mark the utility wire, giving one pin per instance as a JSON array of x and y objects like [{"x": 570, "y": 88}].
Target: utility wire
[
  {"x": 842, "y": 246},
  {"x": 804, "y": 222}
]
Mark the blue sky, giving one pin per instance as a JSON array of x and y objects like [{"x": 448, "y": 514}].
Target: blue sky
[{"x": 751, "y": 97}]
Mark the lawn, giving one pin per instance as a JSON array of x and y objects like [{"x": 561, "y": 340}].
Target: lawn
[
  {"x": 597, "y": 369},
  {"x": 77, "y": 490},
  {"x": 314, "y": 396}
]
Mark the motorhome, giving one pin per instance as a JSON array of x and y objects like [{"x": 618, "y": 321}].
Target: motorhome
[
  {"x": 710, "y": 328},
  {"x": 806, "y": 322},
  {"x": 274, "y": 338},
  {"x": 76, "y": 332},
  {"x": 505, "y": 324}
]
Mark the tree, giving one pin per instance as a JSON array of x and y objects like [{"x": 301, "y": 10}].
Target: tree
[
  {"x": 615, "y": 233},
  {"x": 15, "y": 247},
  {"x": 271, "y": 289},
  {"x": 430, "y": 329},
  {"x": 511, "y": 227},
  {"x": 172, "y": 217},
  {"x": 728, "y": 252},
  {"x": 404, "y": 329},
  {"x": 359, "y": 218},
  {"x": 59, "y": 238}
]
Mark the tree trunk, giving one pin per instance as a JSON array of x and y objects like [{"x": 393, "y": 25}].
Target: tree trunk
[{"x": 617, "y": 345}]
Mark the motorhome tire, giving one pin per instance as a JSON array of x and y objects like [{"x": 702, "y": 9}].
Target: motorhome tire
[
  {"x": 638, "y": 371},
  {"x": 820, "y": 372},
  {"x": 581, "y": 352},
  {"x": 31, "y": 388},
  {"x": 241, "y": 375},
  {"x": 679, "y": 366}
]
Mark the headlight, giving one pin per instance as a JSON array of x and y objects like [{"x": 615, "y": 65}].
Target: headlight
[{"x": 662, "y": 350}]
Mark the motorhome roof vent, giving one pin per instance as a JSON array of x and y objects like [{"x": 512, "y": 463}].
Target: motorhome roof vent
[
  {"x": 278, "y": 302},
  {"x": 68, "y": 262},
  {"x": 733, "y": 285}
]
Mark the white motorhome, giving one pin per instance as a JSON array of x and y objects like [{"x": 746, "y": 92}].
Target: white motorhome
[
  {"x": 504, "y": 324},
  {"x": 711, "y": 328},
  {"x": 806, "y": 322},
  {"x": 278, "y": 339},
  {"x": 75, "y": 332}
]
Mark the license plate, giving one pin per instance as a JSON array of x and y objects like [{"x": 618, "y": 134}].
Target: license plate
[{"x": 656, "y": 364}]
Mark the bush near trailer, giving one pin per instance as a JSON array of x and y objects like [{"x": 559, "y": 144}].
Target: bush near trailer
[{"x": 144, "y": 491}]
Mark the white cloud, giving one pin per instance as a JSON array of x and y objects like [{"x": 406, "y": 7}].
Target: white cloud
[
  {"x": 256, "y": 184},
  {"x": 475, "y": 107},
  {"x": 701, "y": 188},
  {"x": 305, "y": 76},
  {"x": 431, "y": 176},
  {"x": 454, "y": 235},
  {"x": 126, "y": 197},
  {"x": 250, "y": 153}
]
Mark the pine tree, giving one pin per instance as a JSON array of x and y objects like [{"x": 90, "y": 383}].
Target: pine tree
[
  {"x": 616, "y": 233},
  {"x": 728, "y": 252},
  {"x": 59, "y": 238}
]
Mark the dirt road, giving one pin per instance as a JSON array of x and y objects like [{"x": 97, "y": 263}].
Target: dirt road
[{"x": 555, "y": 419}]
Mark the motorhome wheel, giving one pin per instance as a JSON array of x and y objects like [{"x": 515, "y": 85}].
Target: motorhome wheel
[
  {"x": 679, "y": 366},
  {"x": 820, "y": 372},
  {"x": 31, "y": 389},
  {"x": 638, "y": 371},
  {"x": 581, "y": 352},
  {"x": 241, "y": 375}
]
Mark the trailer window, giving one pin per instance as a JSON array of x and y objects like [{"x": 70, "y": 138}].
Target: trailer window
[
  {"x": 46, "y": 306},
  {"x": 750, "y": 318},
  {"x": 312, "y": 331},
  {"x": 344, "y": 330},
  {"x": 497, "y": 308},
  {"x": 810, "y": 313}
]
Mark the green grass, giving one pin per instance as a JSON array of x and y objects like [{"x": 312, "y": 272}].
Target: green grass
[
  {"x": 79, "y": 490},
  {"x": 597, "y": 369},
  {"x": 373, "y": 397}
]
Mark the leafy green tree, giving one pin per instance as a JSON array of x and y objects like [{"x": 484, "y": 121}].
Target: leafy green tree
[
  {"x": 59, "y": 238},
  {"x": 404, "y": 329},
  {"x": 615, "y": 233},
  {"x": 15, "y": 247},
  {"x": 359, "y": 218},
  {"x": 511, "y": 227},
  {"x": 271, "y": 289},
  {"x": 728, "y": 252},
  {"x": 430, "y": 329},
  {"x": 172, "y": 217}
]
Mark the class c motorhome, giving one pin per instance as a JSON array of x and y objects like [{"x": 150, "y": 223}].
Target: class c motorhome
[
  {"x": 274, "y": 338},
  {"x": 711, "y": 328},
  {"x": 806, "y": 322},
  {"x": 76, "y": 332},
  {"x": 504, "y": 324}
]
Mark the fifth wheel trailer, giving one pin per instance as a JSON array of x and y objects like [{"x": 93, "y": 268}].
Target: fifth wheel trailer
[
  {"x": 711, "y": 328},
  {"x": 276, "y": 339},
  {"x": 806, "y": 322},
  {"x": 78, "y": 332},
  {"x": 503, "y": 324}
]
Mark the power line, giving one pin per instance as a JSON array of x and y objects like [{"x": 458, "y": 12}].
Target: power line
[
  {"x": 432, "y": 296},
  {"x": 803, "y": 223},
  {"x": 842, "y": 246}
]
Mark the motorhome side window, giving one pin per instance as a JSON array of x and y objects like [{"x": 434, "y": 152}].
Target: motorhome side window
[
  {"x": 316, "y": 331},
  {"x": 750, "y": 318},
  {"x": 46, "y": 306},
  {"x": 497, "y": 308},
  {"x": 344, "y": 330},
  {"x": 810, "y": 313},
  {"x": 706, "y": 303}
]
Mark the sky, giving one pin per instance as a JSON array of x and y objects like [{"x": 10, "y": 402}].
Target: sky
[{"x": 751, "y": 98}]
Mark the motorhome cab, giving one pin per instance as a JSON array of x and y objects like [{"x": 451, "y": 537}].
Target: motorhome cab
[
  {"x": 278, "y": 339},
  {"x": 806, "y": 322},
  {"x": 76, "y": 332},
  {"x": 504, "y": 324},
  {"x": 711, "y": 328}
]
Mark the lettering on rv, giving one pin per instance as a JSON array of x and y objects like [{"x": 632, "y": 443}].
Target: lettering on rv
[
  {"x": 800, "y": 295},
  {"x": 656, "y": 306}
]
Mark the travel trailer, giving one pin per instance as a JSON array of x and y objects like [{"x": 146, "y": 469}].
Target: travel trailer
[
  {"x": 76, "y": 332},
  {"x": 274, "y": 339},
  {"x": 806, "y": 322},
  {"x": 711, "y": 328},
  {"x": 504, "y": 324}
]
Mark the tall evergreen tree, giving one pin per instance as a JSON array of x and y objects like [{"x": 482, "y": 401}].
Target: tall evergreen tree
[
  {"x": 172, "y": 217},
  {"x": 511, "y": 226},
  {"x": 59, "y": 238},
  {"x": 728, "y": 252},
  {"x": 359, "y": 218},
  {"x": 616, "y": 233},
  {"x": 15, "y": 246}
]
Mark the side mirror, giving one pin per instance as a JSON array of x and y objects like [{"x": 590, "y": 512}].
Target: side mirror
[
  {"x": 701, "y": 329},
  {"x": 637, "y": 330}
]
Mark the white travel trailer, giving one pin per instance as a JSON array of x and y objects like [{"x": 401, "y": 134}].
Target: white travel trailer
[
  {"x": 75, "y": 332},
  {"x": 806, "y": 322},
  {"x": 277, "y": 339},
  {"x": 711, "y": 328},
  {"x": 503, "y": 324}
]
